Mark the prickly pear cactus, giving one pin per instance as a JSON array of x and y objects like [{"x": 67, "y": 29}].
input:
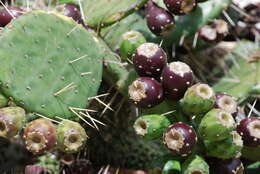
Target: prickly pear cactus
[
  {"x": 112, "y": 10},
  {"x": 49, "y": 64}
]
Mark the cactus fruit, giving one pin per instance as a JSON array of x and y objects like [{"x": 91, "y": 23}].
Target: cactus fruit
[
  {"x": 35, "y": 169},
  {"x": 195, "y": 165},
  {"x": 198, "y": 99},
  {"x": 208, "y": 34},
  {"x": 151, "y": 126},
  {"x": 249, "y": 129},
  {"x": 71, "y": 136},
  {"x": 146, "y": 92},
  {"x": 228, "y": 148},
  {"x": 180, "y": 7},
  {"x": 3, "y": 100},
  {"x": 9, "y": 13},
  {"x": 11, "y": 121},
  {"x": 180, "y": 138},
  {"x": 216, "y": 125},
  {"x": 226, "y": 102},
  {"x": 130, "y": 41},
  {"x": 70, "y": 10},
  {"x": 230, "y": 166},
  {"x": 172, "y": 166},
  {"x": 176, "y": 78},
  {"x": 159, "y": 21},
  {"x": 149, "y": 60},
  {"x": 39, "y": 136},
  {"x": 67, "y": 75}
]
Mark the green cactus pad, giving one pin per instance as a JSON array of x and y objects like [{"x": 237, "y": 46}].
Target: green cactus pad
[
  {"x": 49, "y": 63},
  {"x": 104, "y": 12},
  {"x": 3, "y": 100}
]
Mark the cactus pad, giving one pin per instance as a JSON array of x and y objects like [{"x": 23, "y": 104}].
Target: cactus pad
[{"x": 49, "y": 63}]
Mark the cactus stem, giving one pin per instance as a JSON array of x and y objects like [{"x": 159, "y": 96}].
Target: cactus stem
[
  {"x": 73, "y": 111},
  {"x": 75, "y": 60},
  {"x": 66, "y": 88},
  {"x": 47, "y": 118}
]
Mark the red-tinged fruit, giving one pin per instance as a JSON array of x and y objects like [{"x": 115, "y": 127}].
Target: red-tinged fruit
[
  {"x": 146, "y": 92},
  {"x": 226, "y": 102},
  {"x": 40, "y": 136},
  {"x": 176, "y": 78},
  {"x": 180, "y": 138},
  {"x": 70, "y": 10},
  {"x": 149, "y": 60},
  {"x": 249, "y": 129},
  {"x": 160, "y": 21},
  {"x": 180, "y": 7},
  {"x": 8, "y": 14},
  {"x": 229, "y": 166}
]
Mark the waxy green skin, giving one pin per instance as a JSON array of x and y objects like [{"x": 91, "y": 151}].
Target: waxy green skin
[
  {"x": 195, "y": 163},
  {"x": 172, "y": 166},
  {"x": 224, "y": 149},
  {"x": 3, "y": 101},
  {"x": 67, "y": 128},
  {"x": 156, "y": 125},
  {"x": 129, "y": 45},
  {"x": 36, "y": 51},
  {"x": 211, "y": 129},
  {"x": 192, "y": 104},
  {"x": 14, "y": 119}
]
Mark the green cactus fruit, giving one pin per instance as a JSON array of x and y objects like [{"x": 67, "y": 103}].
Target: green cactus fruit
[
  {"x": 71, "y": 136},
  {"x": 251, "y": 153},
  {"x": 40, "y": 136},
  {"x": 3, "y": 101},
  {"x": 129, "y": 42},
  {"x": 102, "y": 12},
  {"x": 172, "y": 167},
  {"x": 11, "y": 121},
  {"x": 198, "y": 99},
  {"x": 216, "y": 125},
  {"x": 151, "y": 126},
  {"x": 195, "y": 165},
  {"x": 60, "y": 69},
  {"x": 225, "y": 149}
]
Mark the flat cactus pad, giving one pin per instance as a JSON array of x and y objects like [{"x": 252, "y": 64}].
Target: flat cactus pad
[{"x": 49, "y": 64}]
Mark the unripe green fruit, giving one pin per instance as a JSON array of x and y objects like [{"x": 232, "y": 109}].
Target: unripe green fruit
[
  {"x": 195, "y": 165},
  {"x": 216, "y": 125},
  {"x": 151, "y": 126}
]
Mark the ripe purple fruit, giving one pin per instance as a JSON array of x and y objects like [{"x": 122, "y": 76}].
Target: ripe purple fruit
[
  {"x": 71, "y": 10},
  {"x": 6, "y": 15},
  {"x": 180, "y": 7},
  {"x": 40, "y": 136},
  {"x": 149, "y": 60},
  {"x": 230, "y": 166},
  {"x": 180, "y": 138},
  {"x": 249, "y": 129},
  {"x": 176, "y": 78},
  {"x": 226, "y": 102},
  {"x": 146, "y": 92},
  {"x": 159, "y": 21}
]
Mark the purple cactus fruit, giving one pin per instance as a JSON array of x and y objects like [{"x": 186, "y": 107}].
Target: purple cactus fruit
[
  {"x": 6, "y": 15},
  {"x": 180, "y": 7},
  {"x": 35, "y": 169},
  {"x": 226, "y": 102},
  {"x": 70, "y": 10},
  {"x": 40, "y": 136},
  {"x": 149, "y": 60},
  {"x": 176, "y": 78},
  {"x": 146, "y": 92},
  {"x": 229, "y": 166},
  {"x": 207, "y": 33},
  {"x": 160, "y": 21},
  {"x": 180, "y": 138},
  {"x": 249, "y": 129}
]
